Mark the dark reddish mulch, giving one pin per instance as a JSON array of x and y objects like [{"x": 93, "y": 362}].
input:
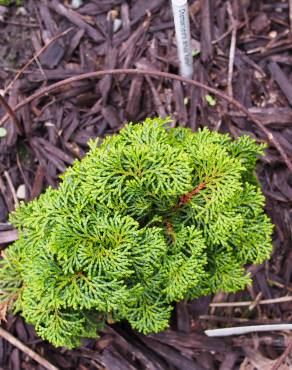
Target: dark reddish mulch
[{"x": 57, "y": 127}]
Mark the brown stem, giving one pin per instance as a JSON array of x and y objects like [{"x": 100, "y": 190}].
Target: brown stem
[
  {"x": 182, "y": 200},
  {"x": 187, "y": 197},
  {"x": 48, "y": 89}
]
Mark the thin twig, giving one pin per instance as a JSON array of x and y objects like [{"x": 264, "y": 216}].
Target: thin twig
[
  {"x": 248, "y": 303},
  {"x": 96, "y": 74},
  {"x": 16, "y": 343},
  {"x": 239, "y": 330},
  {"x": 35, "y": 58},
  {"x": 11, "y": 187},
  {"x": 281, "y": 359},
  {"x": 238, "y": 320},
  {"x": 231, "y": 50},
  {"x": 279, "y": 285},
  {"x": 20, "y": 24},
  {"x": 236, "y": 24},
  {"x": 290, "y": 14},
  {"x": 10, "y": 113},
  {"x": 41, "y": 68},
  {"x": 27, "y": 184},
  {"x": 255, "y": 302},
  {"x": 222, "y": 37}
]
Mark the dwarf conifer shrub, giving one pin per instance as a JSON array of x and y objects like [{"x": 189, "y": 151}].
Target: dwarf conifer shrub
[{"x": 150, "y": 216}]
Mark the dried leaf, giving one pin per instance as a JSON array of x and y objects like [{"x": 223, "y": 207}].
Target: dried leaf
[{"x": 3, "y": 310}]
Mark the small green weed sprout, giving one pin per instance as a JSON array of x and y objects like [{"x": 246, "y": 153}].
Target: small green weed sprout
[{"x": 150, "y": 216}]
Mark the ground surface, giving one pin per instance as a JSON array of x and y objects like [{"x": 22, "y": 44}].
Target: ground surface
[{"x": 55, "y": 129}]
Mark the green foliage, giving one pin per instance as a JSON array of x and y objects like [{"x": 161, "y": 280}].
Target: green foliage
[
  {"x": 150, "y": 216},
  {"x": 9, "y": 2}
]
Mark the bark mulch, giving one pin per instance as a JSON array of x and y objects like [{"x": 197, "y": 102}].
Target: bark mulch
[{"x": 45, "y": 135}]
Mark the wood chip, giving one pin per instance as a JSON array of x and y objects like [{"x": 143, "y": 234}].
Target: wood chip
[
  {"x": 75, "y": 18},
  {"x": 282, "y": 80},
  {"x": 8, "y": 236}
]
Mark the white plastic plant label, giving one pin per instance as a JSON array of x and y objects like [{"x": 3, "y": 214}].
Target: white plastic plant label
[{"x": 183, "y": 36}]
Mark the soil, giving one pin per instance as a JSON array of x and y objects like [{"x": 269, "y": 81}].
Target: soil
[{"x": 46, "y": 135}]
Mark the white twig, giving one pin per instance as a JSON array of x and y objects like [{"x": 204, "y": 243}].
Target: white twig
[
  {"x": 231, "y": 50},
  {"x": 239, "y": 330},
  {"x": 248, "y": 303}
]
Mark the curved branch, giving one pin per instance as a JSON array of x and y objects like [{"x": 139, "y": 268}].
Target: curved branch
[{"x": 96, "y": 74}]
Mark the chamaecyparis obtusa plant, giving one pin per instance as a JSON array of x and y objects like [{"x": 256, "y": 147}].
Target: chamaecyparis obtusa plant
[{"x": 150, "y": 216}]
